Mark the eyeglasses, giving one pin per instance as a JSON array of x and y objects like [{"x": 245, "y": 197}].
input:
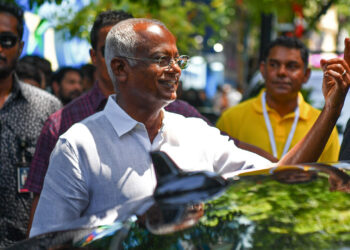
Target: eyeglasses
[
  {"x": 166, "y": 61},
  {"x": 7, "y": 40}
]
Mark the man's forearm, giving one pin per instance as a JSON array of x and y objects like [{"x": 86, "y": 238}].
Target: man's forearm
[
  {"x": 336, "y": 82},
  {"x": 256, "y": 150},
  {"x": 311, "y": 146}
]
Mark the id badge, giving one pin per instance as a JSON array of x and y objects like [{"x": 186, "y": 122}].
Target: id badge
[{"x": 22, "y": 174}]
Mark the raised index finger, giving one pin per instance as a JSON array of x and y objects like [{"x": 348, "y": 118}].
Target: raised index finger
[
  {"x": 347, "y": 50},
  {"x": 338, "y": 64}
]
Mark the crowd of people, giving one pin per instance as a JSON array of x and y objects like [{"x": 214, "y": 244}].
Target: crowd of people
[{"x": 85, "y": 148}]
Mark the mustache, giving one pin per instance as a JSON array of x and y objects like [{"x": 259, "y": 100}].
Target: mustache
[{"x": 75, "y": 93}]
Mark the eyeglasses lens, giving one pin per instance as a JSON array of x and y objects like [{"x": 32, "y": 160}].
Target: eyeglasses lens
[
  {"x": 8, "y": 41},
  {"x": 182, "y": 61}
]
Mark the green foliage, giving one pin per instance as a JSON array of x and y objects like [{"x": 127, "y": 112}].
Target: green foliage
[
  {"x": 344, "y": 14},
  {"x": 40, "y": 2},
  {"x": 185, "y": 19},
  {"x": 234, "y": 23},
  {"x": 304, "y": 216}
]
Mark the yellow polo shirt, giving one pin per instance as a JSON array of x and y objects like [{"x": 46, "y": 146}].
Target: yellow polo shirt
[{"x": 245, "y": 122}]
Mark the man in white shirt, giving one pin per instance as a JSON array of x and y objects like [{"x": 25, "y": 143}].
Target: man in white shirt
[{"x": 103, "y": 162}]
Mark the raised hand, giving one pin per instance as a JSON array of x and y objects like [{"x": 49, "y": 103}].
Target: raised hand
[{"x": 336, "y": 80}]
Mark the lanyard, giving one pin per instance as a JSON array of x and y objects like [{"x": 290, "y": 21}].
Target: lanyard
[{"x": 270, "y": 131}]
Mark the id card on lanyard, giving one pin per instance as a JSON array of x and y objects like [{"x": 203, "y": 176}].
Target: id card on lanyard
[
  {"x": 22, "y": 167},
  {"x": 22, "y": 174}
]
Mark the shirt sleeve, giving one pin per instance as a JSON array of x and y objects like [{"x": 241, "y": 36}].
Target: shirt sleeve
[
  {"x": 65, "y": 192},
  {"x": 228, "y": 159},
  {"x": 231, "y": 160}
]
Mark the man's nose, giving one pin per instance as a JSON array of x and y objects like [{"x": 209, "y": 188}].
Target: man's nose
[
  {"x": 173, "y": 67},
  {"x": 78, "y": 85},
  {"x": 282, "y": 70}
]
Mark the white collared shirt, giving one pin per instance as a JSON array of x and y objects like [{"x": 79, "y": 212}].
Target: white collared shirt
[{"x": 104, "y": 161}]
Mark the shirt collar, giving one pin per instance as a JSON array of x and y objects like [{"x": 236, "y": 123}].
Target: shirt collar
[
  {"x": 304, "y": 108},
  {"x": 119, "y": 119},
  {"x": 18, "y": 90}
]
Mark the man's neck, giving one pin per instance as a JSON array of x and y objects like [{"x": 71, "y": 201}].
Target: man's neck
[
  {"x": 107, "y": 89},
  {"x": 282, "y": 106},
  {"x": 5, "y": 88},
  {"x": 151, "y": 117},
  {"x": 153, "y": 125}
]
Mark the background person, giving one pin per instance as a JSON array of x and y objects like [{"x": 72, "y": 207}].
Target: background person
[
  {"x": 67, "y": 84},
  {"x": 225, "y": 97},
  {"x": 41, "y": 64},
  {"x": 23, "y": 111},
  {"x": 29, "y": 73},
  {"x": 89, "y": 76},
  {"x": 278, "y": 118}
]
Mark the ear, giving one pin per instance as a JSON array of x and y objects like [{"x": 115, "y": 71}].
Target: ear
[
  {"x": 120, "y": 69},
  {"x": 93, "y": 56},
  {"x": 307, "y": 75},
  {"x": 262, "y": 68},
  {"x": 55, "y": 88}
]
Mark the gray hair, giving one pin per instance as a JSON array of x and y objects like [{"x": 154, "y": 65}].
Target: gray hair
[{"x": 122, "y": 40}]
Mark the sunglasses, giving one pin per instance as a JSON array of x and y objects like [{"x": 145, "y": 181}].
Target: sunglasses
[{"x": 7, "y": 41}]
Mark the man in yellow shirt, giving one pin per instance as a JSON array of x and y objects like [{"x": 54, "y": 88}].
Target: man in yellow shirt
[{"x": 278, "y": 117}]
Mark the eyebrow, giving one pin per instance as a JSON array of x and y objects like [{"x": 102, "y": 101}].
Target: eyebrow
[
  {"x": 279, "y": 61},
  {"x": 166, "y": 53}
]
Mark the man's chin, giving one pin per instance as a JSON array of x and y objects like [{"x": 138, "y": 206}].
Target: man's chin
[
  {"x": 74, "y": 95},
  {"x": 167, "y": 101},
  {"x": 172, "y": 97}
]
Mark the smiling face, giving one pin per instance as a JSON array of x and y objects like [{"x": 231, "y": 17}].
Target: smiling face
[
  {"x": 284, "y": 73},
  {"x": 9, "y": 56},
  {"x": 149, "y": 84}
]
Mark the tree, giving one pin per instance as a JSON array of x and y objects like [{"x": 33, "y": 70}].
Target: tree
[{"x": 186, "y": 19}]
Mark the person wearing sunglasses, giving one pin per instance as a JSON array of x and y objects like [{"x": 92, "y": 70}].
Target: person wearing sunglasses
[
  {"x": 23, "y": 110},
  {"x": 104, "y": 160}
]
